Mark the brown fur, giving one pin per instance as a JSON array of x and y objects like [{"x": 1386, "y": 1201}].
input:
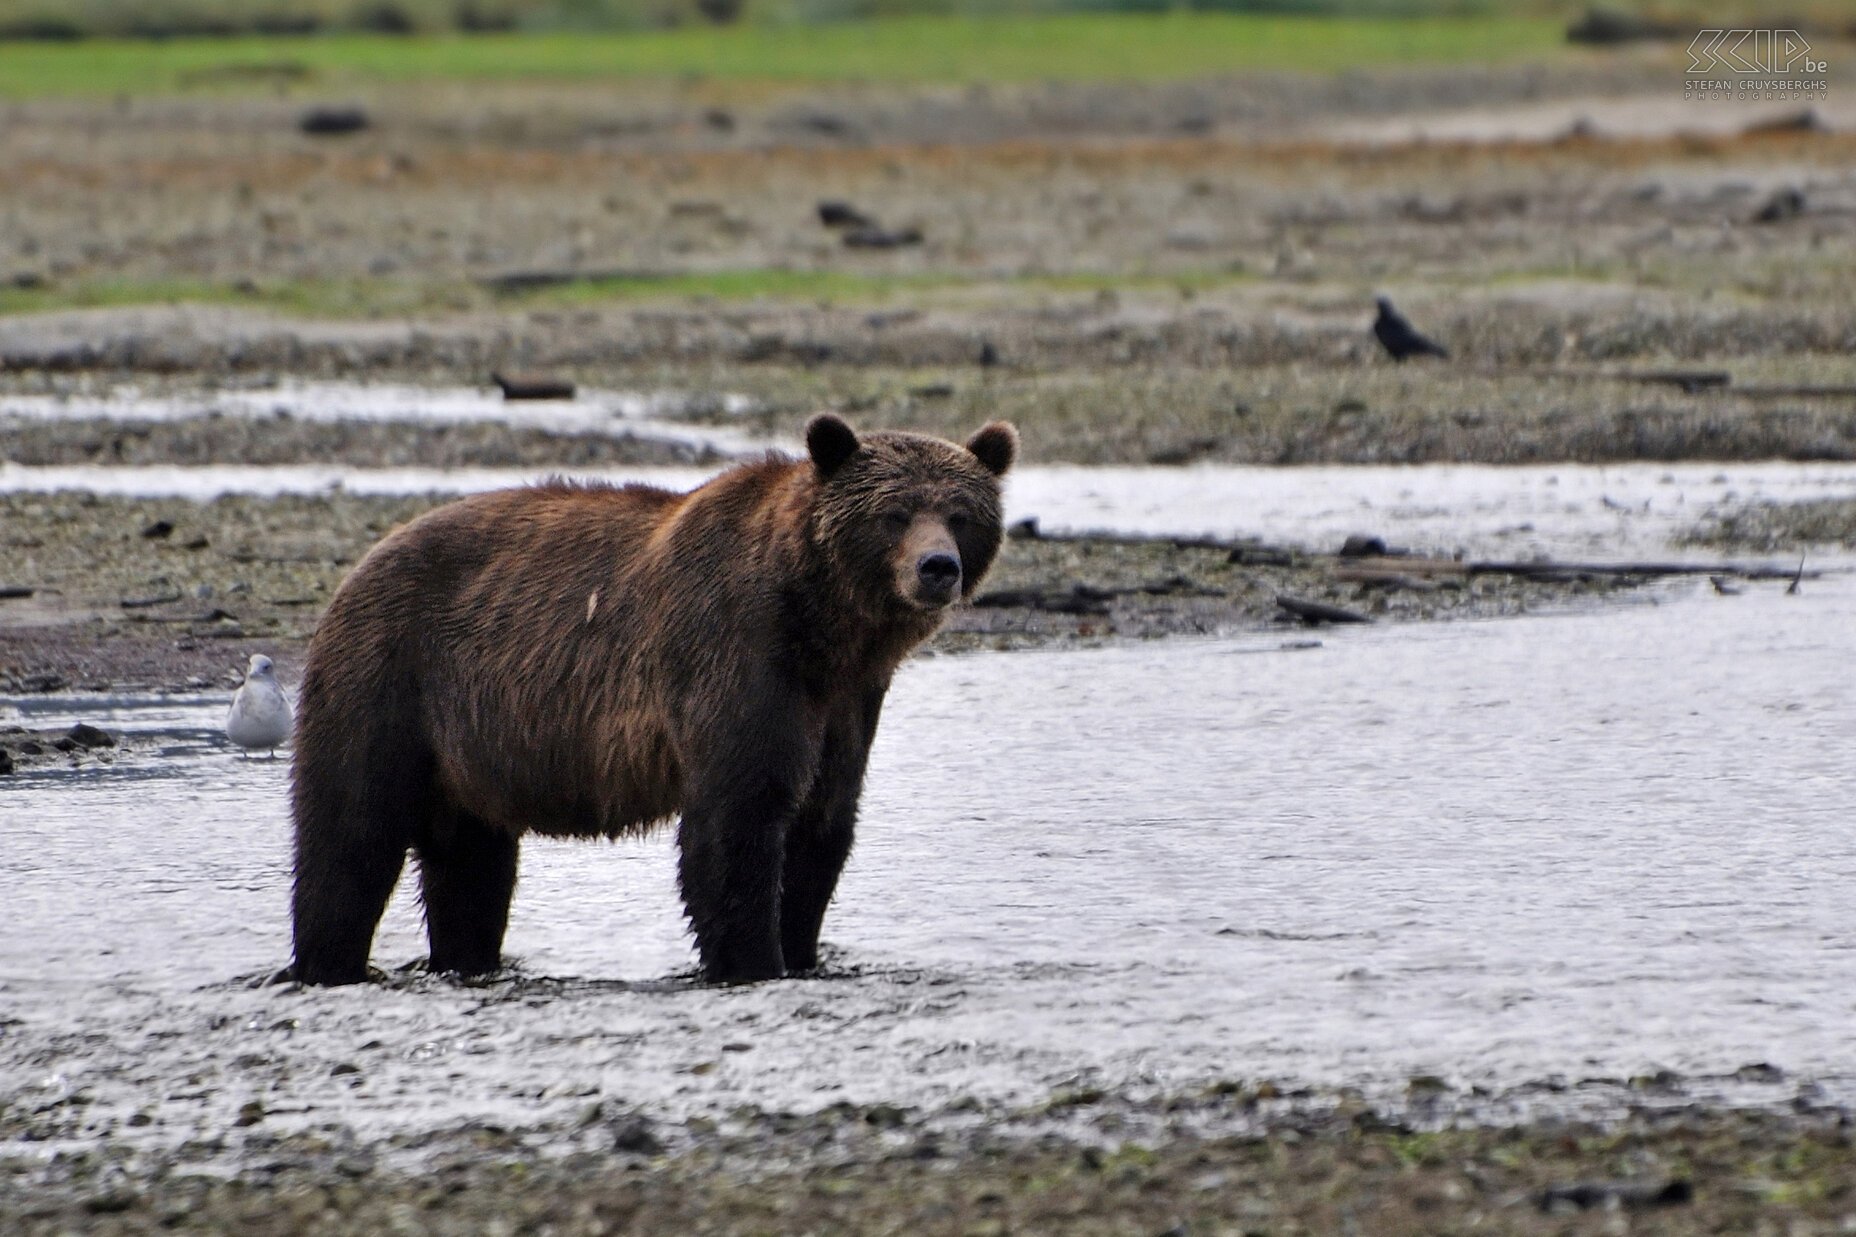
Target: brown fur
[{"x": 588, "y": 661}]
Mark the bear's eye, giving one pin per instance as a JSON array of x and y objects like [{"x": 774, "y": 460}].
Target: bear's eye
[
  {"x": 896, "y": 520},
  {"x": 958, "y": 521}
]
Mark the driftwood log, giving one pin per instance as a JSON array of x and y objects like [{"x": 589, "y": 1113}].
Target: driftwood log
[
  {"x": 1313, "y": 612},
  {"x": 532, "y": 386}
]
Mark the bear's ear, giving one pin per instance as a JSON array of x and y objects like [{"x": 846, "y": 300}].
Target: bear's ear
[
  {"x": 830, "y": 442},
  {"x": 996, "y": 445}
]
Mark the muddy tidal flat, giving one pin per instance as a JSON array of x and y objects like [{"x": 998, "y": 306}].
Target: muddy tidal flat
[{"x": 1518, "y": 906}]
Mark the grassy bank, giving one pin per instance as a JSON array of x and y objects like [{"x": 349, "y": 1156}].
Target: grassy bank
[{"x": 909, "y": 49}]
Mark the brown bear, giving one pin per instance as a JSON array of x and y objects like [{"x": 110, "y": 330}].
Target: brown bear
[{"x": 586, "y": 660}]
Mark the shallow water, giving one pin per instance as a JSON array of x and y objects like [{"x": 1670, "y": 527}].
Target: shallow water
[
  {"x": 1565, "y": 511},
  {"x": 1591, "y": 845},
  {"x": 591, "y": 409}
]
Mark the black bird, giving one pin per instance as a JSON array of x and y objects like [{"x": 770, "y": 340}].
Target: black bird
[{"x": 1400, "y": 338}]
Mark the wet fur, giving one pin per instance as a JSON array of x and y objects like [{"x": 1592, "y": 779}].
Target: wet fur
[{"x": 589, "y": 661}]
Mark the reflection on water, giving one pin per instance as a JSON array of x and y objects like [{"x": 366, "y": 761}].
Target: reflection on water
[{"x": 1585, "y": 845}]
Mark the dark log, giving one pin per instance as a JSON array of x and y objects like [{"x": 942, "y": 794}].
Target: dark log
[
  {"x": 333, "y": 121},
  {"x": 1798, "y": 392},
  {"x": 1690, "y": 381},
  {"x": 1312, "y": 612},
  {"x": 882, "y": 238},
  {"x": 533, "y": 386},
  {"x": 514, "y": 283}
]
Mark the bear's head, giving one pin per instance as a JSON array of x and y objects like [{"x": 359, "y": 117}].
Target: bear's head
[{"x": 915, "y": 520}]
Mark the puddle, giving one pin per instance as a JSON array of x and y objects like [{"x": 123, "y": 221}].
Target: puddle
[
  {"x": 1567, "y": 511},
  {"x": 1581, "y": 846}
]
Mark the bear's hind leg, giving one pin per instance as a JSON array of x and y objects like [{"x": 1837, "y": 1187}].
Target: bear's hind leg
[{"x": 467, "y": 875}]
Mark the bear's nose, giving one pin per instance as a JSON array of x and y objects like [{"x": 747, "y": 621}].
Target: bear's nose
[{"x": 939, "y": 571}]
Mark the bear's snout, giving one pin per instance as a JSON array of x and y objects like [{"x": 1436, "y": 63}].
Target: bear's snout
[{"x": 939, "y": 575}]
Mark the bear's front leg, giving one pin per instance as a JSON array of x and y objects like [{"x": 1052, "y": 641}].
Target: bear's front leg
[
  {"x": 732, "y": 842},
  {"x": 819, "y": 840}
]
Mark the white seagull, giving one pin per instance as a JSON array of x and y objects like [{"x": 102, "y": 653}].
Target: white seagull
[{"x": 260, "y": 715}]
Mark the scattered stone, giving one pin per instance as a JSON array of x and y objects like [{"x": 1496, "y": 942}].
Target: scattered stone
[
  {"x": 1786, "y": 203},
  {"x": 111, "y": 1200},
  {"x": 634, "y": 1134},
  {"x": 249, "y": 1113},
  {"x": 88, "y": 737},
  {"x": 884, "y": 1116},
  {"x": 835, "y": 214},
  {"x": 160, "y": 530},
  {"x": 1361, "y": 545},
  {"x": 6, "y": 762},
  {"x": 1607, "y": 27},
  {"x": 1806, "y": 121},
  {"x": 1314, "y": 612}
]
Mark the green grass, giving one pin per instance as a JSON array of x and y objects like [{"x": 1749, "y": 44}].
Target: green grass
[
  {"x": 364, "y": 297},
  {"x": 910, "y": 49}
]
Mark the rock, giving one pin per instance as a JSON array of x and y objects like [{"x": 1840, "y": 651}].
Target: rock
[
  {"x": 874, "y": 237},
  {"x": 10, "y": 591},
  {"x": 160, "y": 530},
  {"x": 333, "y": 121},
  {"x": 1806, "y": 121},
  {"x": 111, "y": 1200},
  {"x": 634, "y": 1135},
  {"x": 1607, "y": 27},
  {"x": 1786, "y": 203},
  {"x": 835, "y": 214},
  {"x": 87, "y": 736},
  {"x": 884, "y": 1116},
  {"x": 1361, "y": 545},
  {"x": 1629, "y": 1195},
  {"x": 6, "y": 762}
]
